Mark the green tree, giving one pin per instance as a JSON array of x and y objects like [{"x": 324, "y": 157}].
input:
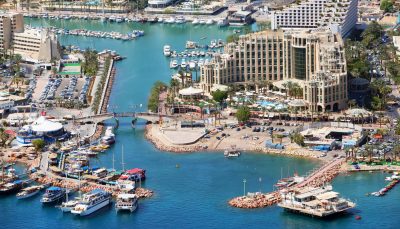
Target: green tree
[
  {"x": 243, "y": 114},
  {"x": 38, "y": 144},
  {"x": 219, "y": 96},
  {"x": 387, "y": 5},
  {"x": 232, "y": 38},
  {"x": 297, "y": 138},
  {"x": 153, "y": 100}
]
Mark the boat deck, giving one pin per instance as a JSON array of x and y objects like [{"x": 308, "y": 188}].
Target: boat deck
[{"x": 313, "y": 212}]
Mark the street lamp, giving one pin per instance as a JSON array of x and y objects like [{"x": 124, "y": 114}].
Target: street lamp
[{"x": 244, "y": 187}]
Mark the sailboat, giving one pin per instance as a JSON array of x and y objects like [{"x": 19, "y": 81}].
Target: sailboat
[{"x": 68, "y": 205}]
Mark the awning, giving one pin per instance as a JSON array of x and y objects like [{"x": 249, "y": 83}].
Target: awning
[
  {"x": 327, "y": 195},
  {"x": 190, "y": 91}
]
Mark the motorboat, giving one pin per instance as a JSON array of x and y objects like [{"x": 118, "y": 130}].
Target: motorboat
[
  {"x": 170, "y": 20},
  {"x": 192, "y": 64},
  {"x": 231, "y": 153},
  {"x": 52, "y": 195},
  {"x": 195, "y": 21},
  {"x": 173, "y": 64},
  {"x": 167, "y": 50},
  {"x": 92, "y": 202},
  {"x": 68, "y": 205},
  {"x": 190, "y": 45},
  {"x": 202, "y": 21},
  {"x": 180, "y": 20},
  {"x": 209, "y": 22},
  {"x": 222, "y": 22},
  {"x": 28, "y": 192},
  {"x": 183, "y": 63},
  {"x": 126, "y": 202}
]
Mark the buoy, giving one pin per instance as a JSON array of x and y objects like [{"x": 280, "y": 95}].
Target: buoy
[
  {"x": 177, "y": 166},
  {"x": 358, "y": 217}
]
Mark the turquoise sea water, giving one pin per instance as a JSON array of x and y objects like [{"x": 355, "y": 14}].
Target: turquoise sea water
[{"x": 196, "y": 194}]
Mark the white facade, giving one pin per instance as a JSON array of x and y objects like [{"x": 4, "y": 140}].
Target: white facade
[
  {"x": 36, "y": 45},
  {"x": 338, "y": 15},
  {"x": 10, "y": 23}
]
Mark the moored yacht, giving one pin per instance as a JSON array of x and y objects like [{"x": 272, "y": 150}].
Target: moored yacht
[
  {"x": 11, "y": 187},
  {"x": 69, "y": 205},
  {"x": 183, "y": 63},
  {"x": 91, "y": 202},
  {"x": 173, "y": 64},
  {"x": 28, "y": 192},
  {"x": 167, "y": 50},
  {"x": 195, "y": 21},
  {"x": 52, "y": 195},
  {"x": 126, "y": 202}
]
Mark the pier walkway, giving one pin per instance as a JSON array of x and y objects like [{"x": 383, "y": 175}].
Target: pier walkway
[{"x": 316, "y": 178}]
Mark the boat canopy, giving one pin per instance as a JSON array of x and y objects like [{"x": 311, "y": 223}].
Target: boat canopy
[
  {"x": 54, "y": 188},
  {"x": 134, "y": 171},
  {"x": 327, "y": 195},
  {"x": 126, "y": 196}
]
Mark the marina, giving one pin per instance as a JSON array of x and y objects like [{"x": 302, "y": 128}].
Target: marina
[{"x": 180, "y": 191}]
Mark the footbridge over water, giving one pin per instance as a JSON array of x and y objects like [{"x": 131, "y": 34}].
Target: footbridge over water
[{"x": 149, "y": 116}]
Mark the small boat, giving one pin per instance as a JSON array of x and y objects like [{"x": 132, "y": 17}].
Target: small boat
[
  {"x": 192, "y": 64},
  {"x": 202, "y": 22},
  {"x": 222, "y": 22},
  {"x": 190, "y": 45},
  {"x": 167, "y": 50},
  {"x": 126, "y": 202},
  {"x": 195, "y": 21},
  {"x": 174, "y": 64},
  {"x": 52, "y": 195},
  {"x": 180, "y": 20},
  {"x": 170, "y": 20},
  {"x": 28, "y": 192},
  {"x": 69, "y": 205},
  {"x": 210, "y": 22},
  {"x": 231, "y": 153},
  {"x": 183, "y": 63}
]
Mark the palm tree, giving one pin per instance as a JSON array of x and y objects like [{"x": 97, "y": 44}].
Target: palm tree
[{"x": 396, "y": 151}]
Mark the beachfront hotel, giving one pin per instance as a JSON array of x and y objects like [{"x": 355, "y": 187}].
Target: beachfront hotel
[
  {"x": 338, "y": 15},
  {"x": 313, "y": 59},
  {"x": 34, "y": 45}
]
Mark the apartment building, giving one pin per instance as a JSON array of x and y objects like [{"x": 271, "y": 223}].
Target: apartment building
[
  {"x": 315, "y": 60},
  {"x": 10, "y": 23},
  {"x": 338, "y": 15}
]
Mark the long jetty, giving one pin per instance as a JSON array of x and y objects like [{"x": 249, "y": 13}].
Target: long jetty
[{"x": 316, "y": 178}]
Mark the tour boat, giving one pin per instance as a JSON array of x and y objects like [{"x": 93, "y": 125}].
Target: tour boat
[
  {"x": 183, "y": 63},
  {"x": 167, "y": 50},
  {"x": 91, "y": 202},
  {"x": 52, "y": 195},
  {"x": 28, "y": 192},
  {"x": 126, "y": 202},
  {"x": 314, "y": 201},
  {"x": 11, "y": 187}
]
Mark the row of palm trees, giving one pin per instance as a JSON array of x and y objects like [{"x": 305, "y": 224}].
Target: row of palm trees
[{"x": 351, "y": 153}]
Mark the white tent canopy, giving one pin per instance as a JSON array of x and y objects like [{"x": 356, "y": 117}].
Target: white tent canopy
[
  {"x": 44, "y": 125},
  {"x": 358, "y": 112},
  {"x": 190, "y": 91},
  {"x": 297, "y": 103}
]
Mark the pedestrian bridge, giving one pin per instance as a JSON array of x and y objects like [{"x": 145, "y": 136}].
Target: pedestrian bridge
[{"x": 149, "y": 116}]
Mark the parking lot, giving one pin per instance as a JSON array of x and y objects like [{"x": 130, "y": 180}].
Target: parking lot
[{"x": 71, "y": 88}]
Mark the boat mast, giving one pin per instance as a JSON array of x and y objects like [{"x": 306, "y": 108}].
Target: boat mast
[
  {"x": 122, "y": 163},
  {"x": 113, "y": 161}
]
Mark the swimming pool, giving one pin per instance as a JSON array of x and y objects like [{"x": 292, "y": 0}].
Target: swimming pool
[{"x": 275, "y": 105}]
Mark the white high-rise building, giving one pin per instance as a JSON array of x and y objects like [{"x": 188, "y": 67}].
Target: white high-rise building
[{"x": 338, "y": 15}]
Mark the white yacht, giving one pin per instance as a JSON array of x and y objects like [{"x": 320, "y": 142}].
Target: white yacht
[
  {"x": 167, "y": 50},
  {"x": 28, "y": 192},
  {"x": 210, "y": 22},
  {"x": 192, "y": 64},
  {"x": 174, "y": 64},
  {"x": 195, "y": 21},
  {"x": 69, "y": 205},
  {"x": 183, "y": 63},
  {"x": 180, "y": 20},
  {"x": 202, "y": 21},
  {"x": 126, "y": 202},
  {"x": 170, "y": 20},
  {"x": 91, "y": 202}
]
